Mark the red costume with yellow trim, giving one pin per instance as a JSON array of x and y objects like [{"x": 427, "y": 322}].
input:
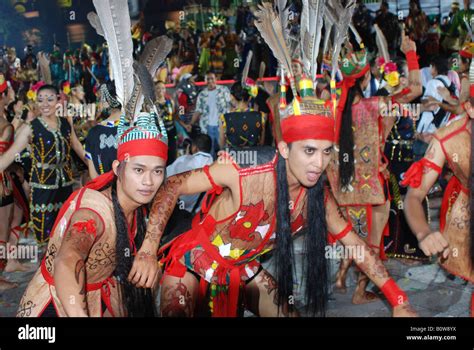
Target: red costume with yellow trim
[{"x": 224, "y": 249}]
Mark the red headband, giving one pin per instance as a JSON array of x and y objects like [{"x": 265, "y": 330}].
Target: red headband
[
  {"x": 142, "y": 147},
  {"x": 307, "y": 126}
]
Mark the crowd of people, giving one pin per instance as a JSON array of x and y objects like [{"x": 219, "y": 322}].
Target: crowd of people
[{"x": 62, "y": 134}]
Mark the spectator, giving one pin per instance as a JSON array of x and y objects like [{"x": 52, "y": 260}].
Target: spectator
[
  {"x": 458, "y": 27},
  {"x": 243, "y": 127},
  {"x": 217, "y": 45},
  {"x": 212, "y": 102},
  {"x": 101, "y": 141},
  {"x": 199, "y": 157},
  {"x": 363, "y": 22},
  {"x": 431, "y": 120},
  {"x": 168, "y": 114},
  {"x": 388, "y": 23},
  {"x": 99, "y": 71},
  {"x": 75, "y": 73},
  {"x": 417, "y": 26}
]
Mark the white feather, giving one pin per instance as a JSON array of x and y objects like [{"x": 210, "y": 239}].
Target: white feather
[
  {"x": 284, "y": 13},
  {"x": 94, "y": 20},
  {"x": 310, "y": 35},
  {"x": 381, "y": 43},
  {"x": 115, "y": 20},
  {"x": 343, "y": 17}
]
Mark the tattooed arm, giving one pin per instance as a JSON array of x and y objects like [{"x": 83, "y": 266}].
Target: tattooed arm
[
  {"x": 430, "y": 242},
  {"x": 224, "y": 174},
  {"x": 69, "y": 265},
  {"x": 365, "y": 258}
]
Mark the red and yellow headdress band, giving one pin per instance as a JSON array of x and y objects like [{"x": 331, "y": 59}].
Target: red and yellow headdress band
[{"x": 315, "y": 121}]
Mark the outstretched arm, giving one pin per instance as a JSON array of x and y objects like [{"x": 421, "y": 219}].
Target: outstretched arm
[
  {"x": 366, "y": 259},
  {"x": 424, "y": 176},
  {"x": 69, "y": 265},
  {"x": 223, "y": 174}
]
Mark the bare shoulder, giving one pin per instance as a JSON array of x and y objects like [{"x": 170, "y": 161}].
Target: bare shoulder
[
  {"x": 225, "y": 171},
  {"x": 452, "y": 126}
]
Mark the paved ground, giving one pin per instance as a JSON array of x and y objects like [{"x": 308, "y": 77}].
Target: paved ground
[{"x": 431, "y": 291}]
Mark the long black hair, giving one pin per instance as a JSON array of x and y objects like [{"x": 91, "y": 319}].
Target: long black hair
[
  {"x": 346, "y": 137},
  {"x": 137, "y": 302},
  {"x": 315, "y": 268}
]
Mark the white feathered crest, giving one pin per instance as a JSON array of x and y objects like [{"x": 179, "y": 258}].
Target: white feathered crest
[
  {"x": 316, "y": 15},
  {"x": 310, "y": 35},
  {"x": 114, "y": 19}
]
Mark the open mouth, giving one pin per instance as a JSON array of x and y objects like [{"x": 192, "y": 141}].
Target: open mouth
[{"x": 312, "y": 176}]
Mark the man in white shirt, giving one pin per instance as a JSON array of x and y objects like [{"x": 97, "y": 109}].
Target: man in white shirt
[
  {"x": 211, "y": 103},
  {"x": 199, "y": 157},
  {"x": 439, "y": 70}
]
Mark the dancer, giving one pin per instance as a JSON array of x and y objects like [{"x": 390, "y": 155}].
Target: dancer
[
  {"x": 453, "y": 243},
  {"x": 251, "y": 209},
  {"x": 358, "y": 172}
]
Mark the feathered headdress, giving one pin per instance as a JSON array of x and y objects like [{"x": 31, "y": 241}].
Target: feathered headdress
[
  {"x": 152, "y": 58},
  {"x": 271, "y": 29},
  {"x": 310, "y": 35},
  {"x": 340, "y": 17},
  {"x": 143, "y": 138},
  {"x": 114, "y": 19},
  {"x": 306, "y": 117},
  {"x": 467, "y": 50}
]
